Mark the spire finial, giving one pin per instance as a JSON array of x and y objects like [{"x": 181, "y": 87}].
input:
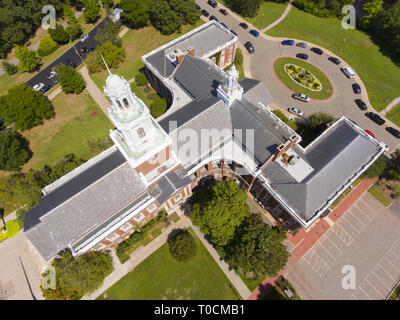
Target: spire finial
[{"x": 105, "y": 63}]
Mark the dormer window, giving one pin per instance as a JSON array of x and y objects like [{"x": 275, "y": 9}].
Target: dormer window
[
  {"x": 126, "y": 103},
  {"x": 141, "y": 133}
]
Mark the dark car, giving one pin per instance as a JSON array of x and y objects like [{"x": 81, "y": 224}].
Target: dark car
[
  {"x": 233, "y": 31},
  {"x": 287, "y": 42},
  {"x": 393, "y": 132},
  {"x": 361, "y": 104},
  {"x": 244, "y": 25},
  {"x": 197, "y": 7},
  {"x": 375, "y": 118},
  {"x": 223, "y": 11},
  {"x": 249, "y": 46},
  {"x": 205, "y": 13},
  {"x": 317, "y": 50},
  {"x": 356, "y": 88},
  {"x": 334, "y": 60},
  {"x": 212, "y": 3},
  {"x": 223, "y": 24},
  {"x": 46, "y": 88},
  {"x": 254, "y": 32},
  {"x": 214, "y": 18},
  {"x": 302, "y": 56}
]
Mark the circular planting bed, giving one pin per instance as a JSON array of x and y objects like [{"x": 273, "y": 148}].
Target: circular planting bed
[{"x": 302, "y": 77}]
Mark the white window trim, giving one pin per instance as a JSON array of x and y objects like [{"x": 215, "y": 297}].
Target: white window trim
[
  {"x": 151, "y": 208},
  {"x": 112, "y": 236},
  {"x": 125, "y": 227},
  {"x": 179, "y": 195},
  {"x": 141, "y": 217}
]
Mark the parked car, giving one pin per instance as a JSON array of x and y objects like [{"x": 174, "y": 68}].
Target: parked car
[
  {"x": 197, "y": 7},
  {"x": 301, "y": 97},
  {"x": 84, "y": 37},
  {"x": 317, "y": 50},
  {"x": 214, "y": 18},
  {"x": 244, "y": 25},
  {"x": 375, "y": 118},
  {"x": 83, "y": 50},
  {"x": 370, "y": 133},
  {"x": 301, "y": 45},
  {"x": 393, "y": 132},
  {"x": 212, "y": 3},
  {"x": 349, "y": 72},
  {"x": 249, "y": 46},
  {"x": 52, "y": 74},
  {"x": 254, "y": 32},
  {"x": 38, "y": 86},
  {"x": 287, "y": 42},
  {"x": 356, "y": 88},
  {"x": 223, "y": 11},
  {"x": 233, "y": 31},
  {"x": 303, "y": 56},
  {"x": 334, "y": 60},
  {"x": 45, "y": 88},
  {"x": 296, "y": 111},
  {"x": 205, "y": 13},
  {"x": 223, "y": 24},
  {"x": 361, "y": 104}
]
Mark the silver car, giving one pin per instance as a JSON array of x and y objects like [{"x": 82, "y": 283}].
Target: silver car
[
  {"x": 301, "y": 45},
  {"x": 301, "y": 97},
  {"x": 296, "y": 111}
]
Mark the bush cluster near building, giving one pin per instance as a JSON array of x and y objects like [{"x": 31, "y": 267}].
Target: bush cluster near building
[
  {"x": 47, "y": 46},
  {"x": 14, "y": 150},
  {"x": 78, "y": 276},
  {"x": 250, "y": 246},
  {"x": 167, "y": 16},
  {"x": 182, "y": 246}
]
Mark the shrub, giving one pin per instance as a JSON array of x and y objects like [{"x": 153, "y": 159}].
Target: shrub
[
  {"x": 10, "y": 68},
  {"x": 376, "y": 169},
  {"x": 14, "y": 151},
  {"x": 12, "y": 227},
  {"x": 182, "y": 246},
  {"x": 158, "y": 107},
  {"x": 74, "y": 31},
  {"x": 47, "y": 46},
  {"x": 59, "y": 35},
  {"x": 238, "y": 61},
  {"x": 141, "y": 79},
  {"x": 28, "y": 59}
]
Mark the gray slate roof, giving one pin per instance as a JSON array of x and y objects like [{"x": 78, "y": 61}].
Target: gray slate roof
[
  {"x": 92, "y": 205},
  {"x": 336, "y": 158}
]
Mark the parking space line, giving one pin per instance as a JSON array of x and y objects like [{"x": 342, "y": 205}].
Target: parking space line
[
  {"x": 355, "y": 216},
  {"x": 374, "y": 287},
  {"x": 381, "y": 280},
  {"x": 395, "y": 253},
  {"x": 394, "y": 266},
  {"x": 347, "y": 220},
  {"x": 319, "y": 242},
  {"x": 362, "y": 212},
  {"x": 334, "y": 244},
  {"x": 387, "y": 273},
  {"x": 361, "y": 289}
]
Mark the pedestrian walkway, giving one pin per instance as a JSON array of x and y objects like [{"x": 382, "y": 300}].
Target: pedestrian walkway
[
  {"x": 283, "y": 16},
  {"x": 390, "y": 106},
  {"x": 265, "y": 287}
]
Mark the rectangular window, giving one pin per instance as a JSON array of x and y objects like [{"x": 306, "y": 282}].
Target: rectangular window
[
  {"x": 126, "y": 226},
  {"x": 278, "y": 209},
  {"x": 138, "y": 217},
  {"x": 97, "y": 247},
  {"x": 230, "y": 49},
  {"x": 141, "y": 133},
  {"x": 112, "y": 237},
  {"x": 177, "y": 197},
  {"x": 152, "y": 207}
]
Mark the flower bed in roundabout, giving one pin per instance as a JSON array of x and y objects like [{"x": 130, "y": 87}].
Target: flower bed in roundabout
[{"x": 302, "y": 77}]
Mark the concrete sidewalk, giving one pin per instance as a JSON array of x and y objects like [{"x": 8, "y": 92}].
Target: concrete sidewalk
[{"x": 283, "y": 16}]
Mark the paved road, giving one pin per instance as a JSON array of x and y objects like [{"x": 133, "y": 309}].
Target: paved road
[
  {"x": 71, "y": 54},
  {"x": 261, "y": 66}
]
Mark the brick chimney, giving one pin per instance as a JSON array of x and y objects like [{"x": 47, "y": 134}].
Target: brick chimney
[
  {"x": 190, "y": 51},
  {"x": 179, "y": 58}
]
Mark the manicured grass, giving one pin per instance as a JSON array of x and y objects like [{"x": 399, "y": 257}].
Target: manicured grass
[
  {"x": 379, "y": 195},
  {"x": 394, "y": 115},
  {"x": 326, "y": 90},
  {"x": 379, "y": 74},
  {"x": 68, "y": 131},
  {"x": 268, "y": 13},
  {"x": 161, "y": 277},
  {"x": 252, "y": 284}
]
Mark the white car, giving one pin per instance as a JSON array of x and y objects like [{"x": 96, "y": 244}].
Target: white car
[
  {"x": 349, "y": 72},
  {"x": 301, "y": 97},
  {"x": 38, "y": 86},
  {"x": 296, "y": 111},
  {"x": 52, "y": 74},
  {"x": 84, "y": 37}
]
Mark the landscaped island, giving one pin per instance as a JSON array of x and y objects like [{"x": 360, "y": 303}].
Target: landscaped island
[{"x": 303, "y": 77}]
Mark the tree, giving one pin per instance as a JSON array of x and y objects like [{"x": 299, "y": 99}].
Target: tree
[
  {"x": 163, "y": 18},
  {"x": 371, "y": 10},
  {"x": 394, "y": 171},
  {"x": 136, "y": 13},
  {"x": 186, "y": 9},
  {"x": 248, "y": 8},
  {"x": 257, "y": 248},
  {"x": 59, "y": 35},
  {"x": 141, "y": 79},
  {"x": 387, "y": 26},
  {"x": 74, "y": 31},
  {"x": 10, "y": 68},
  {"x": 109, "y": 32},
  {"x": 70, "y": 79},
  {"x": 24, "y": 107},
  {"x": 182, "y": 246},
  {"x": 46, "y": 46},
  {"x": 316, "y": 124},
  {"x": 92, "y": 11},
  {"x": 14, "y": 150},
  {"x": 69, "y": 14},
  {"x": 78, "y": 276},
  {"x": 112, "y": 54},
  {"x": 376, "y": 169},
  {"x": 28, "y": 59},
  {"x": 21, "y": 217},
  {"x": 107, "y": 3},
  {"x": 219, "y": 210},
  {"x": 158, "y": 107}
]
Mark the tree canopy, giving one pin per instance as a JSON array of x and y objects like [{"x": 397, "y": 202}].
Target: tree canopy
[
  {"x": 109, "y": 33},
  {"x": 182, "y": 246},
  {"x": 28, "y": 59},
  {"x": 219, "y": 210},
  {"x": 25, "y": 107},
  {"x": 112, "y": 54},
  {"x": 59, "y": 35},
  {"x": 70, "y": 79},
  {"x": 78, "y": 276},
  {"x": 14, "y": 150},
  {"x": 92, "y": 11},
  {"x": 394, "y": 171},
  {"x": 376, "y": 169},
  {"x": 136, "y": 13}
]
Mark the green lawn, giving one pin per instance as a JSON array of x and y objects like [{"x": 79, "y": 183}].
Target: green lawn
[
  {"x": 394, "y": 115},
  {"x": 379, "y": 195},
  {"x": 326, "y": 90},
  {"x": 68, "y": 131},
  {"x": 379, "y": 74},
  {"x": 160, "y": 277},
  {"x": 268, "y": 13}
]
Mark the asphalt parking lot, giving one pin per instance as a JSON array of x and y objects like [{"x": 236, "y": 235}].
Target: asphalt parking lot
[{"x": 367, "y": 237}]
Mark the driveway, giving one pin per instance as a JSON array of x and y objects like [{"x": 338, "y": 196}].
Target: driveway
[
  {"x": 268, "y": 49},
  {"x": 366, "y": 237},
  {"x": 21, "y": 267}
]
